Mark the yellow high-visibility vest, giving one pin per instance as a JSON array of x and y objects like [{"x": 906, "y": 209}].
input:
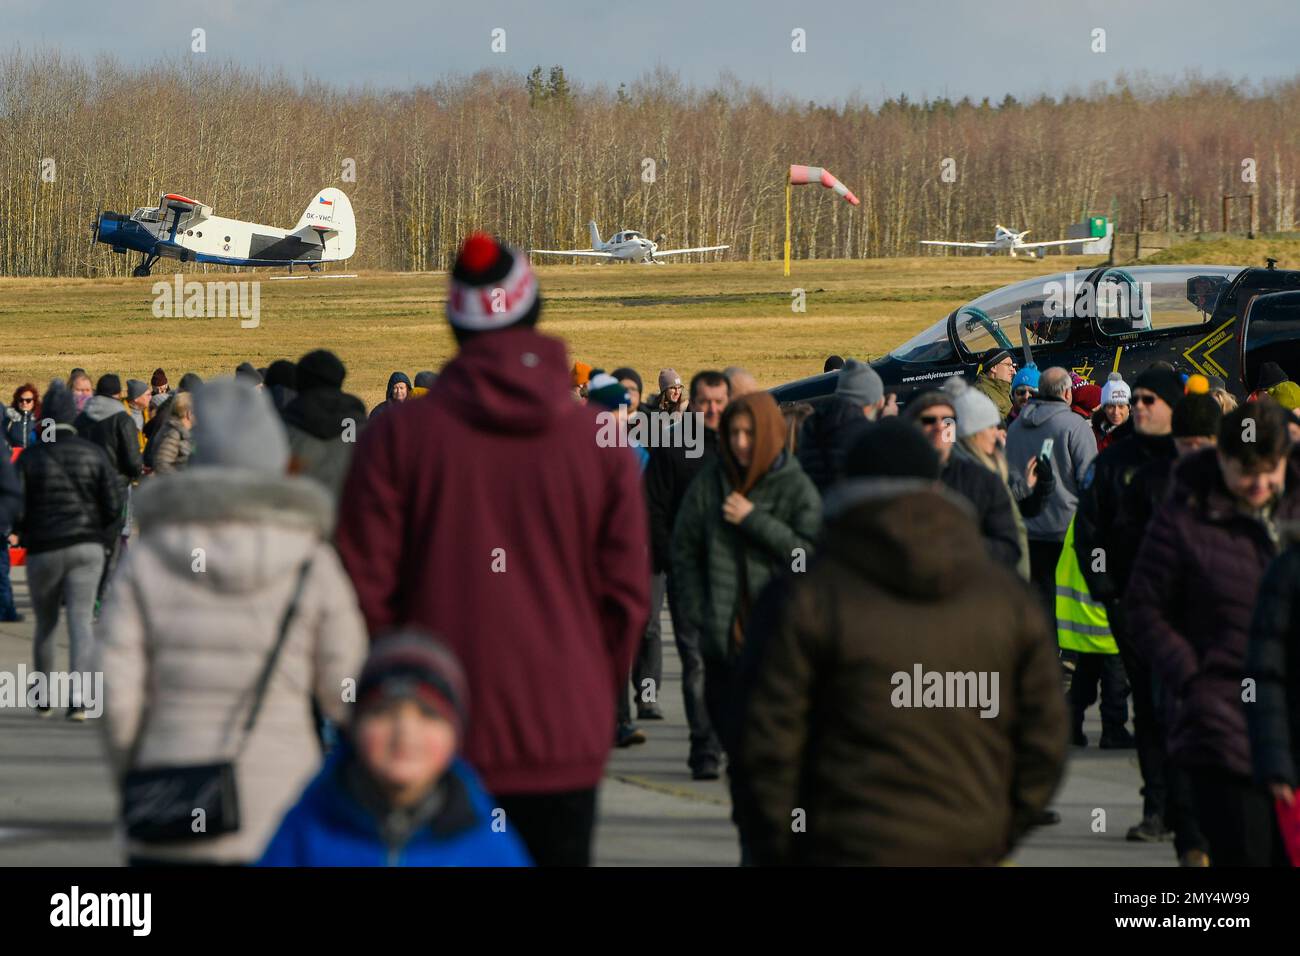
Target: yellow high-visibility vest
[{"x": 1081, "y": 623}]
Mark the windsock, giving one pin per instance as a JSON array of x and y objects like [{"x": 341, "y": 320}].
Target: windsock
[{"x": 803, "y": 175}]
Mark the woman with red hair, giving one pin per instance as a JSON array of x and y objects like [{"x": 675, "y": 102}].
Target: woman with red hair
[{"x": 21, "y": 417}]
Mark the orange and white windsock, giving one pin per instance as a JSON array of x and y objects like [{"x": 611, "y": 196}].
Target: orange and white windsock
[{"x": 803, "y": 175}]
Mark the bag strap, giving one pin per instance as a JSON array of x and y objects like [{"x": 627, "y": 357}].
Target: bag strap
[
  {"x": 741, "y": 620},
  {"x": 264, "y": 679}
]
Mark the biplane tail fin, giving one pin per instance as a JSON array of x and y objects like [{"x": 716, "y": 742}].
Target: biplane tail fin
[{"x": 330, "y": 214}]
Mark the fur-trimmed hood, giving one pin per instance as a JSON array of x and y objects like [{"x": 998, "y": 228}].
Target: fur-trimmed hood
[{"x": 251, "y": 527}]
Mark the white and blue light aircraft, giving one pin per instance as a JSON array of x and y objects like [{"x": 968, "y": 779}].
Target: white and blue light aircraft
[
  {"x": 1007, "y": 240},
  {"x": 627, "y": 245},
  {"x": 184, "y": 229}
]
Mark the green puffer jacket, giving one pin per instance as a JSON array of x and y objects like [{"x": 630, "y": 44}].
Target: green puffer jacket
[
  {"x": 706, "y": 548},
  {"x": 998, "y": 392}
]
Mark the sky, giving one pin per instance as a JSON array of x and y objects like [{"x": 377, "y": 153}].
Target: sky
[{"x": 855, "y": 49}]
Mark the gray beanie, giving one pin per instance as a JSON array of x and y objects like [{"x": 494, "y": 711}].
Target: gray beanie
[
  {"x": 235, "y": 426},
  {"x": 975, "y": 410},
  {"x": 859, "y": 383}
]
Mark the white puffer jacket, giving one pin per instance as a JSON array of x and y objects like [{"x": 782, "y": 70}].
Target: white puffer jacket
[{"x": 190, "y": 620}]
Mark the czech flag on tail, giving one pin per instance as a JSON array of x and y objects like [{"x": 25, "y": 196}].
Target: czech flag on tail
[
  {"x": 805, "y": 175},
  {"x": 329, "y": 202}
]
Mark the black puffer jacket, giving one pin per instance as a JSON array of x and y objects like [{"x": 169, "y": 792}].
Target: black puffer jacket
[
  {"x": 1273, "y": 660},
  {"x": 107, "y": 423},
  {"x": 71, "y": 493},
  {"x": 826, "y": 437}
]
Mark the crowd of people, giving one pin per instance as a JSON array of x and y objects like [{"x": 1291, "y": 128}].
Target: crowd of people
[{"x": 411, "y": 637}]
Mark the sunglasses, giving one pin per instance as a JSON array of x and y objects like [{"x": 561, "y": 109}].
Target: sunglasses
[
  {"x": 1145, "y": 399},
  {"x": 933, "y": 419},
  {"x": 27, "y": 400},
  {"x": 1023, "y": 392}
]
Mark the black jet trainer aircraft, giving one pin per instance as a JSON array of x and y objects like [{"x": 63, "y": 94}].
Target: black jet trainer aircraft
[{"x": 1220, "y": 321}]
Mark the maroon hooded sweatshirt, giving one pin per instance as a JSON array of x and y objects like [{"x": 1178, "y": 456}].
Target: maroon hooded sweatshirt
[{"x": 487, "y": 513}]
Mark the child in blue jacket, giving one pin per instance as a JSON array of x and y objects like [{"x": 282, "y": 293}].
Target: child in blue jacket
[{"x": 394, "y": 793}]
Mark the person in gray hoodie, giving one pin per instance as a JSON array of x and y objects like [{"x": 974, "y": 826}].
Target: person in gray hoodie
[
  {"x": 105, "y": 421},
  {"x": 1048, "y": 416}
]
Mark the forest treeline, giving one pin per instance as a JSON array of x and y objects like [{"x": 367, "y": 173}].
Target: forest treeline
[{"x": 534, "y": 157}]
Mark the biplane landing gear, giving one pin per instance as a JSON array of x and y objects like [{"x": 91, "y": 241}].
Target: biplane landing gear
[{"x": 142, "y": 270}]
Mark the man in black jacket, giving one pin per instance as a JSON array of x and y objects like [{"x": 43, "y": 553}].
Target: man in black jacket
[
  {"x": 1108, "y": 528},
  {"x": 107, "y": 422},
  {"x": 72, "y": 507},
  {"x": 667, "y": 477}
]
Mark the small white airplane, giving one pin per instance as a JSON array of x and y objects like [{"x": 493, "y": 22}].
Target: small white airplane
[
  {"x": 185, "y": 229},
  {"x": 1004, "y": 238},
  {"x": 626, "y": 246}
]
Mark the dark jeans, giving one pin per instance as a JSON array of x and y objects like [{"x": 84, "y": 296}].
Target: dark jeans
[
  {"x": 7, "y": 609},
  {"x": 1236, "y": 816},
  {"x": 1043, "y": 556},
  {"x": 556, "y": 827},
  {"x": 1108, "y": 670},
  {"x": 1148, "y": 721},
  {"x": 705, "y": 747},
  {"x": 112, "y": 555},
  {"x": 1179, "y": 801},
  {"x": 720, "y": 679},
  {"x": 648, "y": 665}
]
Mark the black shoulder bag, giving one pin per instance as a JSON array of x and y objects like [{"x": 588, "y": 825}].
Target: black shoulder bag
[{"x": 158, "y": 803}]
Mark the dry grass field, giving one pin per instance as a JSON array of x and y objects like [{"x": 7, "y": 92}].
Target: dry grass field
[{"x": 689, "y": 316}]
